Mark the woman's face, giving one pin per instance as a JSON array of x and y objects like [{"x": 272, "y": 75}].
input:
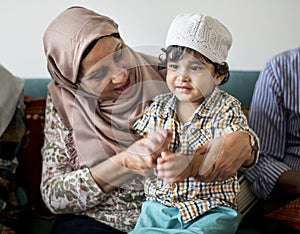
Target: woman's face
[
  {"x": 105, "y": 71},
  {"x": 191, "y": 78}
]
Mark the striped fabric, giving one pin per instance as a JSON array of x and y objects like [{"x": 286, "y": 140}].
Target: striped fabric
[
  {"x": 275, "y": 117},
  {"x": 217, "y": 115}
]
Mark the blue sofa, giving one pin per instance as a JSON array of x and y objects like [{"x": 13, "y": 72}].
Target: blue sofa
[{"x": 240, "y": 85}]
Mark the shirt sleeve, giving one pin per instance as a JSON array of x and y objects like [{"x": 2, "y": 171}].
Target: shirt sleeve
[
  {"x": 267, "y": 119},
  {"x": 64, "y": 189},
  {"x": 230, "y": 119},
  {"x": 148, "y": 121}
]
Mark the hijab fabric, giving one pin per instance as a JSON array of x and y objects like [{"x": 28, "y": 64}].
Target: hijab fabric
[{"x": 100, "y": 129}]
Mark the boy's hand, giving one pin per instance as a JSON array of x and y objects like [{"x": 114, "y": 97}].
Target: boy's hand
[{"x": 175, "y": 167}]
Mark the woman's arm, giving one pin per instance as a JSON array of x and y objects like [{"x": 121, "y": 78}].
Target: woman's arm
[
  {"x": 63, "y": 188},
  {"x": 236, "y": 150},
  {"x": 139, "y": 159},
  {"x": 66, "y": 189}
]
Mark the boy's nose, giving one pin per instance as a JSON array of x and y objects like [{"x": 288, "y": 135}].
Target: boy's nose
[{"x": 183, "y": 77}]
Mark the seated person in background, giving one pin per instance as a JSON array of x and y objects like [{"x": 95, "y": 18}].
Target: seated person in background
[
  {"x": 194, "y": 112},
  {"x": 12, "y": 130},
  {"x": 275, "y": 117}
]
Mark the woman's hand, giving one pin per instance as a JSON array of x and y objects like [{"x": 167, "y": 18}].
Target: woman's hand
[
  {"x": 142, "y": 155},
  {"x": 175, "y": 167},
  {"x": 139, "y": 158},
  {"x": 234, "y": 151}
]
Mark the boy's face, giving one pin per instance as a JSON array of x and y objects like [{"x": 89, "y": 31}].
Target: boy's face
[{"x": 191, "y": 78}]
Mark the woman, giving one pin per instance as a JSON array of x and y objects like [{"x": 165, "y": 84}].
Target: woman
[{"x": 91, "y": 159}]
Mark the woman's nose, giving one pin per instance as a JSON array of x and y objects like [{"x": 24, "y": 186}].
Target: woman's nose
[
  {"x": 120, "y": 78},
  {"x": 119, "y": 73}
]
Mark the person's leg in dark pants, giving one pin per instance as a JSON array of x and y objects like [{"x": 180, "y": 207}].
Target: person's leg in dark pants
[{"x": 73, "y": 224}]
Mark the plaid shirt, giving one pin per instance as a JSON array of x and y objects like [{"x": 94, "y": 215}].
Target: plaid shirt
[{"x": 219, "y": 114}]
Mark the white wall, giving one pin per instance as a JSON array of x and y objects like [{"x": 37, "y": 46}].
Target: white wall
[{"x": 260, "y": 28}]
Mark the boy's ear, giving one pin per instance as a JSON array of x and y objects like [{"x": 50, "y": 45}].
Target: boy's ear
[{"x": 219, "y": 79}]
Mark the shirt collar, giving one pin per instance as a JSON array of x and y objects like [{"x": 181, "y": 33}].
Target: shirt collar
[{"x": 208, "y": 101}]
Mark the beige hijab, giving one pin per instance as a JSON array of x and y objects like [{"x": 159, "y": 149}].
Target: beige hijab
[{"x": 100, "y": 128}]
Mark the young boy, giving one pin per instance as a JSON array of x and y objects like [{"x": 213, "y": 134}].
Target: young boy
[{"x": 195, "y": 111}]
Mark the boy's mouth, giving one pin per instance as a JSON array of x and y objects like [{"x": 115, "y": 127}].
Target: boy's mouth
[{"x": 183, "y": 89}]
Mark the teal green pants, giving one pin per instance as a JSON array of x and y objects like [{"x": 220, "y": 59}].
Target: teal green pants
[{"x": 157, "y": 218}]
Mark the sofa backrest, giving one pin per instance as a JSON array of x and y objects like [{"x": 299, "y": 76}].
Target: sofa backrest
[
  {"x": 36, "y": 87},
  {"x": 241, "y": 85}
]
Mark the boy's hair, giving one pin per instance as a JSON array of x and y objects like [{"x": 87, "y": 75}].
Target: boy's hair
[{"x": 178, "y": 52}]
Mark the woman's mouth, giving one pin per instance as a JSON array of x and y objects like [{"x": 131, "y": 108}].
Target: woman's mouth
[{"x": 124, "y": 88}]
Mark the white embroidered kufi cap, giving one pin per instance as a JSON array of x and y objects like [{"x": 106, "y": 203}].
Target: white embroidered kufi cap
[{"x": 201, "y": 33}]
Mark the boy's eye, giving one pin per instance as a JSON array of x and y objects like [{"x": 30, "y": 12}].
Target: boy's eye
[
  {"x": 196, "y": 68},
  {"x": 172, "y": 66}
]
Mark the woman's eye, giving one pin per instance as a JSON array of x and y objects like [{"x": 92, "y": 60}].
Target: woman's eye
[
  {"x": 118, "y": 55},
  {"x": 98, "y": 74},
  {"x": 101, "y": 73}
]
